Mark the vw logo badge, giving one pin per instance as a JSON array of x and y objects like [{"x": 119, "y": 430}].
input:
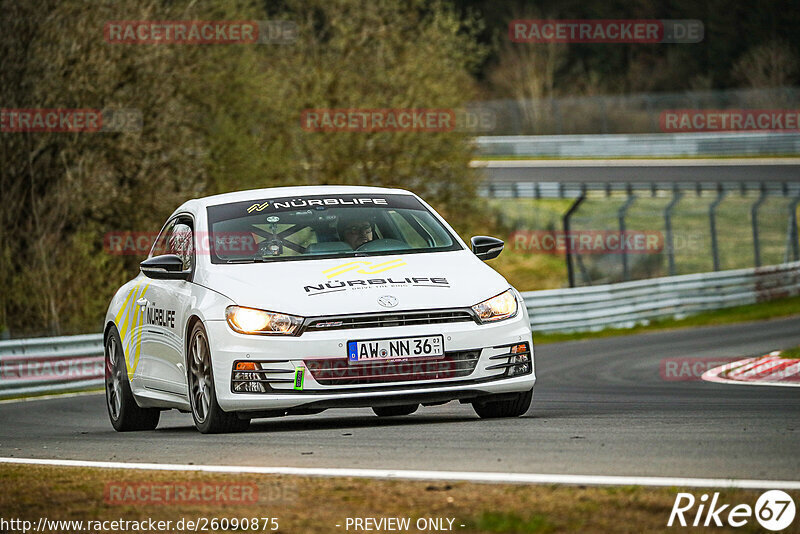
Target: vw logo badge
[{"x": 388, "y": 301}]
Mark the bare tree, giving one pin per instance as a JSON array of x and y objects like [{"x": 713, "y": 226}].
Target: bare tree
[{"x": 773, "y": 64}]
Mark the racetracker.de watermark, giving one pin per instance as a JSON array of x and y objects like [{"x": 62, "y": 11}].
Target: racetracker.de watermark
[
  {"x": 69, "y": 120},
  {"x": 397, "y": 120},
  {"x": 690, "y": 369},
  {"x": 178, "y": 493},
  {"x": 36, "y": 369},
  {"x": 641, "y": 31},
  {"x": 603, "y": 242},
  {"x": 193, "y": 32},
  {"x": 125, "y": 243},
  {"x": 587, "y": 242},
  {"x": 718, "y": 120}
]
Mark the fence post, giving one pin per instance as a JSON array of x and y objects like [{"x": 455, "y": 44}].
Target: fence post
[
  {"x": 712, "y": 219},
  {"x": 793, "y": 248},
  {"x": 623, "y": 210},
  {"x": 754, "y": 220},
  {"x": 670, "y": 244},
  {"x": 565, "y": 223}
]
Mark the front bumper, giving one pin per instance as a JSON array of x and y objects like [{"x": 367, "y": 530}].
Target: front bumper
[{"x": 286, "y": 354}]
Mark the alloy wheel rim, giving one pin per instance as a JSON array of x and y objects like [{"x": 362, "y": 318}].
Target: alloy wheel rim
[
  {"x": 200, "y": 378},
  {"x": 113, "y": 380}
]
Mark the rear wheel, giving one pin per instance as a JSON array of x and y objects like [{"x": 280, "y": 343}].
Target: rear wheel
[
  {"x": 123, "y": 411},
  {"x": 394, "y": 411},
  {"x": 208, "y": 416},
  {"x": 513, "y": 407}
]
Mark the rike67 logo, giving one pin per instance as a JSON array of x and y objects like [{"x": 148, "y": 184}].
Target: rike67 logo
[{"x": 774, "y": 510}]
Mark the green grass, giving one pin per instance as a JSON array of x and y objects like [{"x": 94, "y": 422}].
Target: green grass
[
  {"x": 793, "y": 353},
  {"x": 510, "y": 522},
  {"x": 29, "y": 492},
  {"x": 751, "y": 312}
]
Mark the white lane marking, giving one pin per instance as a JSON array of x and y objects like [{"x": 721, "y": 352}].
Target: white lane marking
[
  {"x": 630, "y": 162},
  {"x": 53, "y": 396},
  {"x": 713, "y": 375},
  {"x": 467, "y": 476}
]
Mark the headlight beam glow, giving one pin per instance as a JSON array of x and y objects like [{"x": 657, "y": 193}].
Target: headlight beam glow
[
  {"x": 252, "y": 321},
  {"x": 502, "y": 306}
]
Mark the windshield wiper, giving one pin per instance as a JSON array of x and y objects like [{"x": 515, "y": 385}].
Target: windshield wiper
[{"x": 247, "y": 260}]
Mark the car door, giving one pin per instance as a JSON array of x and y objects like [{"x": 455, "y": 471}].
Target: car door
[{"x": 165, "y": 310}]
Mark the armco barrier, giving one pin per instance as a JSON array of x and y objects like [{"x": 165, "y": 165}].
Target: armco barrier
[
  {"x": 29, "y": 366},
  {"x": 50, "y": 364},
  {"x": 626, "y": 304},
  {"x": 695, "y": 144}
]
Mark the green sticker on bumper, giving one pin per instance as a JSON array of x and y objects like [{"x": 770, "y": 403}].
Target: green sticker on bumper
[{"x": 299, "y": 374}]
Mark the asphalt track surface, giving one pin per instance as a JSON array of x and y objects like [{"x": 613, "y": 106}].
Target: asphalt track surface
[
  {"x": 601, "y": 407},
  {"x": 644, "y": 171}
]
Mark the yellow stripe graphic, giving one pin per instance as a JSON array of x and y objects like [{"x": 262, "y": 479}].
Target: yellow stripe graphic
[
  {"x": 357, "y": 267},
  {"x": 123, "y": 328},
  {"x": 388, "y": 265},
  {"x": 130, "y": 317},
  {"x": 124, "y": 305},
  {"x": 138, "y": 334},
  {"x": 342, "y": 268}
]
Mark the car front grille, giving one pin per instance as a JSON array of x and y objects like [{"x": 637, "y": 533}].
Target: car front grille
[
  {"x": 377, "y": 320},
  {"x": 338, "y": 372}
]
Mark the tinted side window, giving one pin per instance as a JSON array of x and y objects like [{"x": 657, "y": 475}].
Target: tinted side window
[
  {"x": 160, "y": 245},
  {"x": 180, "y": 242},
  {"x": 176, "y": 238}
]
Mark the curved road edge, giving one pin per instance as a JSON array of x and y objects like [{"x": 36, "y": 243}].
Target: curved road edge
[{"x": 768, "y": 370}]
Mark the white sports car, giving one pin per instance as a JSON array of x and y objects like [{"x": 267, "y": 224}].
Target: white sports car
[{"x": 293, "y": 300}]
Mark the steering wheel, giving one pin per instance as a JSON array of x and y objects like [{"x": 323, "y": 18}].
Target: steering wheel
[{"x": 378, "y": 245}]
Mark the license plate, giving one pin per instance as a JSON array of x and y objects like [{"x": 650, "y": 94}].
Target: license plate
[{"x": 392, "y": 349}]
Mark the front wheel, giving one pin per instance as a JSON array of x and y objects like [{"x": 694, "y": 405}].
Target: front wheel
[
  {"x": 208, "y": 416},
  {"x": 123, "y": 411},
  {"x": 513, "y": 407}
]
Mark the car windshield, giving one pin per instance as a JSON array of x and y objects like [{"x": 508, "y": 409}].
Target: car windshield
[{"x": 316, "y": 226}]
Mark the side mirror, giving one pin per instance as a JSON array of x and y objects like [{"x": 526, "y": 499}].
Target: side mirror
[
  {"x": 485, "y": 247},
  {"x": 165, "y": 267}
]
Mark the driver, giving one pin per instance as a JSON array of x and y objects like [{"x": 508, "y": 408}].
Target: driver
[{"x": 355, "y": 231}]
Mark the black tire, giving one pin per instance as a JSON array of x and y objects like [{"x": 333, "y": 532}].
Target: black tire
[
  {"x": 208, "y": 416},
  {"x": 394, "y": 411},
  {"x": 124, "y": 413},
  {"x": 488, "y": 409}
]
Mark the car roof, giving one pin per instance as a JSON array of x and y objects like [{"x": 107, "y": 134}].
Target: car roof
[{"x": 278, "y": 192}]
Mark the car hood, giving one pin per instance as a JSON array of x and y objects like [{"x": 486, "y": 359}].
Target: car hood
[{"x": 354, "y": 285}]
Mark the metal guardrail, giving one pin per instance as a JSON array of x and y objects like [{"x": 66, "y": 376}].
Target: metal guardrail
[
  {"x": 545, "y": 189},
  {"x": 50, "y": 364},
  {"x": 622, "y": 113},
  {"x": 642, "y": 145},
  {"x": 626, "y": 304},
  {"x": 44, "y": 365}
]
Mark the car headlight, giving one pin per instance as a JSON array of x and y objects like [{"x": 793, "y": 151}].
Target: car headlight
[
  {"x": 503, "y": 306},
  {"x": 252, "y": 321}
]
